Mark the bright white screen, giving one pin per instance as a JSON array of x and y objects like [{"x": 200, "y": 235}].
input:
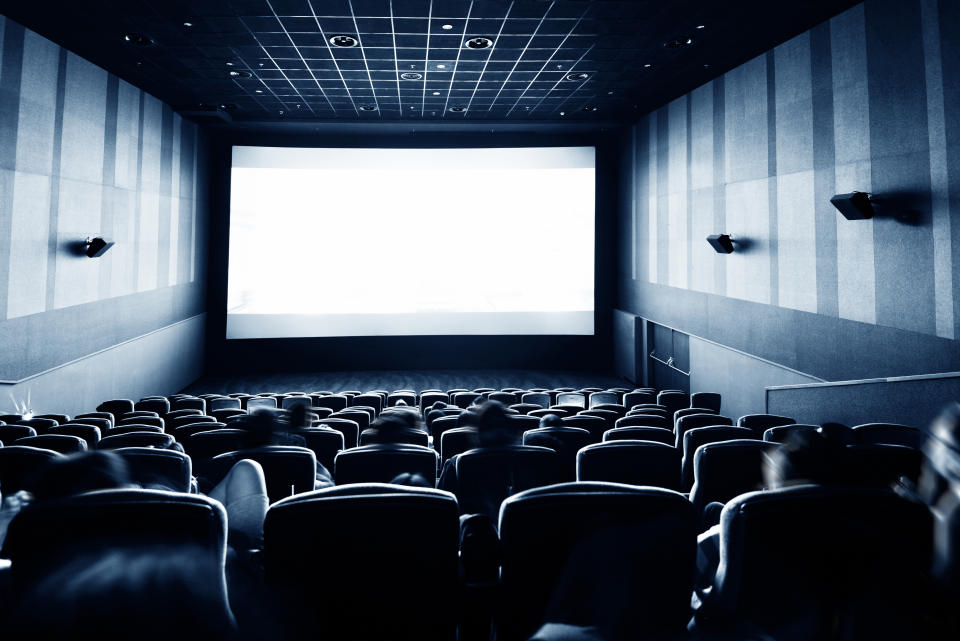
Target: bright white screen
[{"x": 371, "y": 242}]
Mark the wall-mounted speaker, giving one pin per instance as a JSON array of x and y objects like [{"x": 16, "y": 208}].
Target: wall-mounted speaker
[
  {"x": 854, "y": 206},
  {"x": 721, "y": 243},
  {"x": 96, "y": 247}
]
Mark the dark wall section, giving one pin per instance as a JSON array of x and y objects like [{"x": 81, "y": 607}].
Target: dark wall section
[
  {"x": 592, "y": 353},
  {"x": 866, "y": 101}
]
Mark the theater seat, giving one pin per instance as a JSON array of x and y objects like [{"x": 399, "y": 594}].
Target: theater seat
[
  {"x": 596, "y": 554},
  {"x": 673, "y": 400},
  {"x": 486, "y": 476},
  {"x": 645, "y": 420},
  {"x": 457, "y": 441},
  {"x": 349, "y": 428},
  {"x": 632, "y": 462},
  {"x": 781, "y": 433},
  {"x": 48, "y": 535},
  {"x": 381, "y": 563},
  {"x": 889, "y": 434},
  {"x": 131, "y": 428},
  {"x": 593, "y": 424},
  {"x": 42, "y": 425},
  {"x": 382, "y": 463},
  {"x": 882, "y": 465},
  {"x": 640, "y": 433},
  {"x": 11, "y": 433},
  {"x": 726, "y": 469},
  {"x": 89, "y": 433},
  {"x": 565, "y": 441},
  {"x": 207, "y": 444},
  {"x": 137, "y": 439},
  {"x": 707, "y": 400},
  {"x": 325, "y": 443},
  {"x": 62, "y": 443},
  {"x": 693, "y": 439},
  {"x": 794, "y": 559},
  {"x": 372, "y": 436},
  {"x": 18, "y": 463},
  {"x": 759, "y": 423},
  {"x": 287, "y": 469},
  {"x": 116, "y": 407},
  {"x": 693, "y": 421},
  {"x": 151, "y": 467},
  {"x": 157, "y": 404},
  {"x": 638, "y": 397}
]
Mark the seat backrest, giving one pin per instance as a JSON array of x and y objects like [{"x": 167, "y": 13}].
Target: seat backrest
[
  {"x": 63, "y": 443},
  {"x": 48, "y": 535},
  {"x": 760, "y": 423},
  {"x": 881, "y": 464},
  {"x": 709, "y": 400},
  {"x": 645, "y": 420},
  {"x": 693, "y": 439},
  {"x": 182, "y": 433},
  {"x": 60, "y": 419},
  {"x": 158, "y": 468},
  {"x": 592, "y": 545},
  {"x": 618, "y": 409},
  {"x": 693, "y": 421},
  {"x": 457, "y": 441},
  {"x": 349, "y": 428},
  {"x": 543, "y": 412},
  {"x": 261, "y": 402},
  {"x": 156, "y": 404},
  {"x": 507, "y": 398},
  {"x": 781, "y": 433},
  {"x": 287, "y": 469},
  {"x": 647, "y": 408},
  {"x": 384, "y": 547},
  {"x": 294, "y": 400},
  {"x": 673, "y": 400},
  {"x": 89, "y": 433},
  {"x": 429, "y": 398},
  {"x": 142, "y": 420},
  {"x": 572, "y": 398},
  {"x": 409, "y": 398},
  {"x": 133, "y": 427},
  {"x": 685, "y": 411},
  {"x": 42, "y": 425},
  {"x": 370, "y": 400},
  {"x": 325, "y": 442},
  {"x": 487, "y": 475},
  {"x": 889, "y": 434},
  {"x": 355, "y": 414},
  {"x": 632, "y": 462},
  {"x": 18, "y": 463},
  {"x": 541, "y": 399},
  {"x": 525, "y": 408},
  {"x": 99, "y": 415},
  {"x": 211, "y": 443},
  {"x": 809, "y": 554},
  {"x": 224, "y": 403},
  {"x": 11, "y": 433},
  {"x": 175, "y": 421},
  {"x": 593, "y": 424},
  {"x": 188, "y": 403},
  {"x": 726, "y": 469},
  {"x": 116, "y": 407},
  {"x": 136, "y": 439},
  {"x": 609, "y": 417},
  {"x": 640, "y": 433},
  {"x": 603, "y": 398},
  {"x": 372, "y": 435},
  {"x": 565, "y": 441},
  {"x": 638, "y": 397},
  {"x": 383, "y": 463},
  {"x": 463, "y": 399}
]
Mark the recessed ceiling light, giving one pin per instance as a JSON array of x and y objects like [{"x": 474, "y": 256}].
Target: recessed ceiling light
[
  {"x": 647, "y": 66},
  {"x": 367, "y": 108},
  {"x": 343, "y": 41},
  {"x": 446, "y": 27},
  {"x": 563, "y": 113},
  {"x": 138, "y": 39},
  {"x": 701, "y": 26},
  {"x": 479, "y": 42},
  {"x": 229, "y": 64},
  {"x": 436, "y": 93},
  {"x": 678, "y": 43},
  {"x": 458, "y": 109},
  {"x": 228, "y": 106},
  {"x": 298, "y": 106},
  {"x": 240, "y": 74},
  {"x": 261, "y": 64},
  {"x": 441, "y": 66},
  {"x": 609, "y": 93},
  {"x": 411, "y": 75},
  {"x": 594, "y": 109},
  {"x": 187, "y": 24},
  {"x": 281, "y": 112},
  {"x": 259, "y": 91},
  {"x": 574, "y": 77}
]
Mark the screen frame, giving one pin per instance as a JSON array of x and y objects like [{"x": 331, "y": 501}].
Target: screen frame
[{"x": 553, "y": 351}]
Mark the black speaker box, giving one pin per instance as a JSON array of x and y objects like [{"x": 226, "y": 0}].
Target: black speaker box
[
  {"x": 721, "y": 243},
  {"x": 854, "y": 206}
]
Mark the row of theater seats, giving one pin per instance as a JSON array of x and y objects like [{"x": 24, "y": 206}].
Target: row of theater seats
[{"x": 598, "y": 493}]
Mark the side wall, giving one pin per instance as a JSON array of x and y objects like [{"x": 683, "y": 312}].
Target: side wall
[
  {"x": 867, "y": 101},
  {"x": 82, "y": 154}
]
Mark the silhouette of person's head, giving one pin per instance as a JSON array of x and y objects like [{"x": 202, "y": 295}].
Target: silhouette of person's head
[
  {"x": 78, "y": 473},
  {"x": 551, "y": 420},
  {"x": 494, "y": 426},
  {"x": 438, "y": 405},
  {"x": 807, "y": 457},
  {"x": 939, "y": 487},
  {"x": 267, "y": 427},
  {"x": 389, "y": 428}
]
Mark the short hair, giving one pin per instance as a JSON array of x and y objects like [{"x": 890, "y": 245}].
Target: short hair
[
  {"x": 494, "y": 427},
  {"x": 78, "y": 473},
  {"x": 551, "y": 420},
  {"x": 809, "y": 457}
]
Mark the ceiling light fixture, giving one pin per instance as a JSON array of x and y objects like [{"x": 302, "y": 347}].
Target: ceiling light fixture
[
  {"x": 344, "y": 41},
  {"x": 576, "y": 77},
  {"x": 647, "y": 66},
  {"x": 411, "y": 75},
  {"x": 138, "y": 39},
  {"x": 187, "y": 24},
  {"x": 229, "y": 64},
  {"x": 259, "y": 91},
  {"x": 436, "y": 93},
  {"x": 563, "y": 113},
  {"x": 446, "y": 27},
  {"x": 458, "y": 109},
  {"x": 441, "y": 66},
  {"x": 479, "y": 42},
  {"x": 678, "y": 43},
  {"x": 367, "y": 108},
  {"x": 240, "y": 74},
  {"x": 701, "y": 26}
]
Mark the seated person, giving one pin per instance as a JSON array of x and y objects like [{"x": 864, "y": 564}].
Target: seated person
[
  {"x": 494, "y": 429},
  {"x": 278, "y": 427}
]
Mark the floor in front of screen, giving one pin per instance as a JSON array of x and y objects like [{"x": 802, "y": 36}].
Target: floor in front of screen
[{"x": 394, "y": 380}]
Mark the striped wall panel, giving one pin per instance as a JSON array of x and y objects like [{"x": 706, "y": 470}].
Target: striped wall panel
[{"x": 866, "y": 101}]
